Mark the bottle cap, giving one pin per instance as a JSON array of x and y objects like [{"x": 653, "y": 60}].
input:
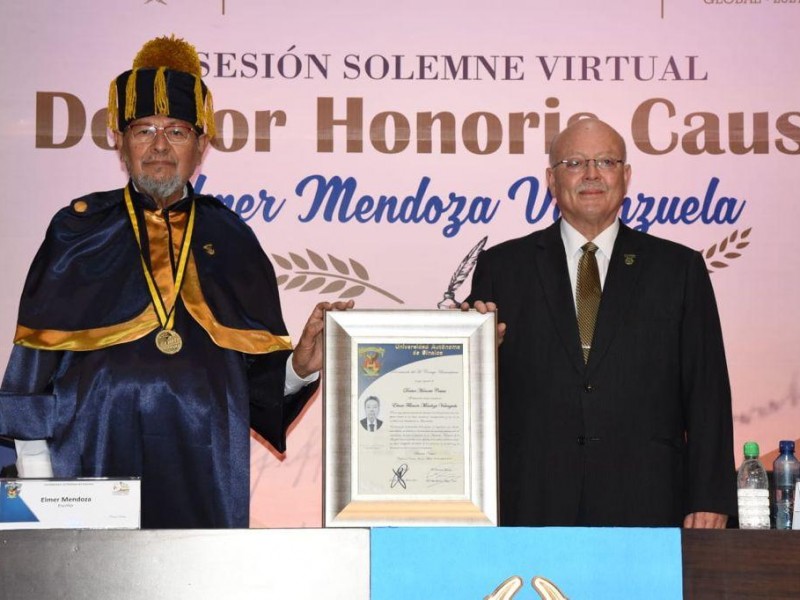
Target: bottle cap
[
  {"x": 786, "y": 447},
  {"x": 751, "y": 450}
]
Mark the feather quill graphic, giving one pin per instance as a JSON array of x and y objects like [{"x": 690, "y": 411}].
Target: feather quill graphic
[{"x": 461, "y": 273}]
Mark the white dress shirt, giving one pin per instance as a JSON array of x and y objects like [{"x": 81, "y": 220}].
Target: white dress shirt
[{"x": 574, "y": 241}]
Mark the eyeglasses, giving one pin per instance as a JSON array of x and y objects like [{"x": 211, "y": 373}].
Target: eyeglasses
[
  {"x": 175, "y": 134},
  {"x": 578, "y": 165}
]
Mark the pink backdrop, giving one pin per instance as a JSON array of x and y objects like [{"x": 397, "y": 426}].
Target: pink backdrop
[{"x": 704, "y": 91}]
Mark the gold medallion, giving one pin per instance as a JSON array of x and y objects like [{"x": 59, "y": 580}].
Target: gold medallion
[{"x": 169, "y": 341}]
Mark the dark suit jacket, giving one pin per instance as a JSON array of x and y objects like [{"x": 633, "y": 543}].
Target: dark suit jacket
[
  {"x": 378, "y": 423},
  {"x": 642, "y": 434}
]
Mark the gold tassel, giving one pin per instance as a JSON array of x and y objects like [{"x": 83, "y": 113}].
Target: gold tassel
[
  {"x": 211, "y": 128},
  {"x": 130, "y": 97},
  {"x": 160, "y": 98},
  {"x": 111, "y": 117},
  {"x": 198, "y": 103}
]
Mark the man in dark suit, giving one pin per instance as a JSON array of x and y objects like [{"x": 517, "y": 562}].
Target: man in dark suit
[
  {"x": 372, "y": 406},
  {"x": 631, "y": 426}
]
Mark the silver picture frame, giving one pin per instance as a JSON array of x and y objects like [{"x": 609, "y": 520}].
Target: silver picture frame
[{"x": 410, "y": 418}]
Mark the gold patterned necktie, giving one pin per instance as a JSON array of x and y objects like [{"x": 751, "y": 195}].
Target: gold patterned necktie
[{"x": 588, "y": 296}]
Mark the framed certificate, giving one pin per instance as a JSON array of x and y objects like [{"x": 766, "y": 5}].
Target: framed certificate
[{"x": 410, "y": 418}]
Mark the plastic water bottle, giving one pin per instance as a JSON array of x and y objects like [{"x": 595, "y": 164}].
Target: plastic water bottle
[
  {"x": 785, "y": 472},
  {"x": 753, "y": 491}
]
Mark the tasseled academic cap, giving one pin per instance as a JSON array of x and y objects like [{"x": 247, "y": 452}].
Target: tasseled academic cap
[{"x": 165, "y": 80}]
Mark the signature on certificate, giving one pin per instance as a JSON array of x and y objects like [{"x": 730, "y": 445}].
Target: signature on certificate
[
  {"x": 398, "y": 474},
  {"x": 441, "y": 476}
]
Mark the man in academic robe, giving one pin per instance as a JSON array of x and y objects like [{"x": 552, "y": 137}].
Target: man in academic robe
[{"x": 150, "y": 338}]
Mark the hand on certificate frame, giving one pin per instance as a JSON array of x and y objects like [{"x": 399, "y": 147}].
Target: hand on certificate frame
[{"x": 486, "y": 307}]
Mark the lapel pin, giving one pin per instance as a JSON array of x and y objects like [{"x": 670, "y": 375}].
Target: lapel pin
[
  {"x": 629, "y": 259},
  {"x": 209, "y": 249}
]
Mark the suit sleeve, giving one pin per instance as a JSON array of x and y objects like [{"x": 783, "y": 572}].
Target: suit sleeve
[
  {"x": 481, "y": 281},
  {"x": 707, "y": 399}
]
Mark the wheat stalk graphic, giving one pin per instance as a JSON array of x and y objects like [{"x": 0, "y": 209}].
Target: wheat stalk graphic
[
  {"x": 727, "y": 249},
  {"x": 349, "y": 278}
]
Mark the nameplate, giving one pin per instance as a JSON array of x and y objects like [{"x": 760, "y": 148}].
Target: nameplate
[{"x": 90, "y": 503}]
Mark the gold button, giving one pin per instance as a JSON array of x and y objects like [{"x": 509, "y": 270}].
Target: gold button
[{"x": 80, "y": 206}]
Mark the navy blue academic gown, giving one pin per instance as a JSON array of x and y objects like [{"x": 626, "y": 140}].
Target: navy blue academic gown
[{"x": 86, "y": 374}]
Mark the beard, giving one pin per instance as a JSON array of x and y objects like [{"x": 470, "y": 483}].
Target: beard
[{"x": 159, "y": 189}]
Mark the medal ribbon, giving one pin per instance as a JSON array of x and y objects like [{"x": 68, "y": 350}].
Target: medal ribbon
[{"x": 167, "y": 319}]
